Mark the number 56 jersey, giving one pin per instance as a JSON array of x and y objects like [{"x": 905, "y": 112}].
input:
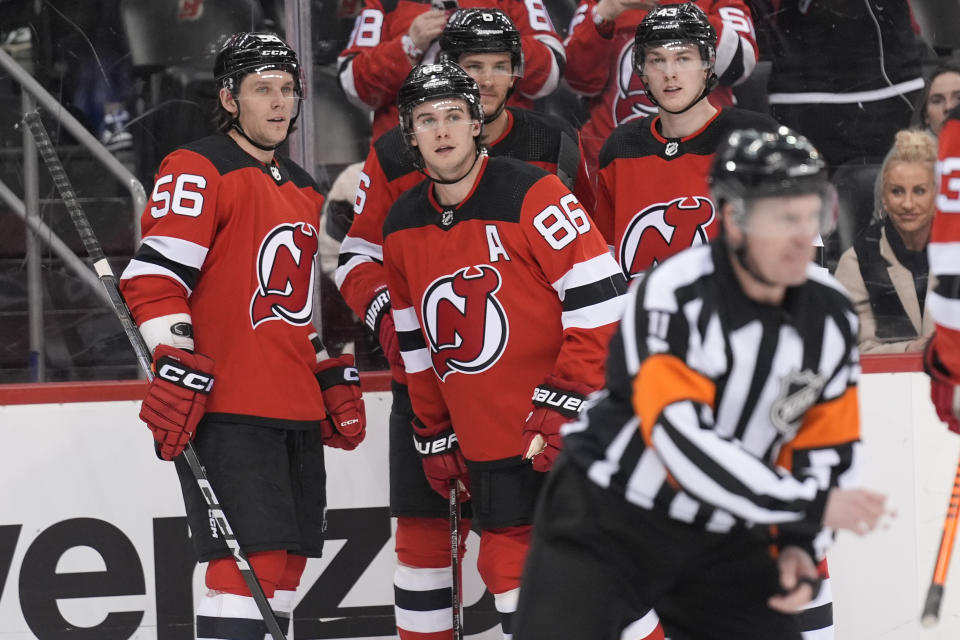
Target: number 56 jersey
[{"x": 493, "y": 295}]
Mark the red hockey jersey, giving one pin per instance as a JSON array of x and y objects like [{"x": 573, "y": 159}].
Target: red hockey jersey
[
  {"x": 537, "y": 138},
  {"x": 602, "y": 69},
  {"x": 232, "y": 242},
  {"x": 653, "y": 199},
  {"x": 373, "y": 66},
  {"x": 944, "y": 249},
  {"x": 492, "y": 296}
]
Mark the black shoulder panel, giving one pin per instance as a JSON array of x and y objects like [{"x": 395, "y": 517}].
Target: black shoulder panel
[
  {"x": 498, "y": 197},
  {"x": 394, "y": 155}
]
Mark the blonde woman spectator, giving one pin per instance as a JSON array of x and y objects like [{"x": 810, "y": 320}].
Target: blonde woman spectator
[{"x": 886, "y": 269}]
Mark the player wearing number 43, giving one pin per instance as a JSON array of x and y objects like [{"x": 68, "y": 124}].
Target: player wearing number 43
[
  {"x": 707, "y": 478},
  {"x": 504, "y": 298},
  {"x": 222, "y": 290},
  {"x": 652, "y": 195}
]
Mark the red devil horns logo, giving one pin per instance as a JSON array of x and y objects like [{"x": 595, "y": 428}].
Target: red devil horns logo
[
  {"x": 465, "y": 323},
  {"x": 664, "y": 229},
  {"x": 285, "y": 275}
]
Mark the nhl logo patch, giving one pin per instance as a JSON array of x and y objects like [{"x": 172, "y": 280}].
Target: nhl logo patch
[
  {"x": 672, "y": 148},
  {"x": 447, "y": 218},
  {"x": 799, "y": 391},
  {"x": 275, "y": 172}
]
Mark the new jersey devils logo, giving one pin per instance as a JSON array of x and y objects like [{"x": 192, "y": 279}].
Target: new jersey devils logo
[
  {"x": 630, "y": 101},
  {"x": 285, "y": 275},
  {"x": 465, "y": 323},
  {"x": 663, "y": 229},
  {"x": 190, "y": 10}
]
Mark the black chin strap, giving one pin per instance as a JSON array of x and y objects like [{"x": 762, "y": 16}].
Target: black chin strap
[
  {"x": 235, "y": 125},
  {"x": 455, "y": 180}
]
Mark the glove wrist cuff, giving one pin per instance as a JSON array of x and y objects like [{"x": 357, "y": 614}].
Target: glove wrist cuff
[
  {"x": 437, "y": 444},
  {"x": 565, "y": 402},
  {"x": 378, "y": 307}
]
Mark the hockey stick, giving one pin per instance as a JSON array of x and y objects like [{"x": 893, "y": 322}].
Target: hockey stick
[
  {"x": 931, "y": 608},
  {"x": 455, "y": 561},
  {"x": 109, "y": 281}
]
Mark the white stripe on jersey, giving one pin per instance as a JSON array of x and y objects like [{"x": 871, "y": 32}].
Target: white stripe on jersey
[
  {"x": 730, "y": 40},
  {"x": 587, "y": 272},
  {"x": 553, "y": 78},
  {"x": 683, "y": 507},
  {"x": 602, "y": 470},
  {"x": 362, "y": 251},
  {"x": 185, "y": 252},
  {"x": 745, "y": 345},
  {"x": 832, "y": 357},
  {"x": 648, "y": 473},
  {"x": 788, "y": 358},
  {"x": 136, "y": 268},
  {"x": 593, "y": 316},
  {"x": 405, "y": 319},
  {"x": 735, "y": 462},
  {"x": 706, "y": 354},
  {"x": 416, "y": 360},
  {"x": 688, "y": 266},
  {"x": 943, "y": 258},
  {"x": 628, "y": 331},
  {"x": 720, "y": 522},
  {"x": 347, "y": 83}
]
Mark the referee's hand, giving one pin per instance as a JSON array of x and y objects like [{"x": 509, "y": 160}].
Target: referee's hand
[{"x": 799, "y": 581}]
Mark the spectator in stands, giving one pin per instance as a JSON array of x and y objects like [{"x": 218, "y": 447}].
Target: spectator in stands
[
  {"x": 600, "y": 54},
  {"x": 845, "y": 74},
  {"x": 940, "y": 96},
  {"x": 391, "y": 36},
  {"x": 886, "y": 269}
]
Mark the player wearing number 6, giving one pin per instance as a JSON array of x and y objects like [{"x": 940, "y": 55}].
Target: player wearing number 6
[
  {"x": 504, "y": 297},
  {"x": 226, "y": 270}
]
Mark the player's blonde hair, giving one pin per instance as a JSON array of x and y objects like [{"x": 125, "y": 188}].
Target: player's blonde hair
[{"x": 912, "y": 146}]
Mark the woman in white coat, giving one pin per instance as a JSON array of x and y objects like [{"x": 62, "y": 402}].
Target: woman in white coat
[{"x": 886, "y": 269}]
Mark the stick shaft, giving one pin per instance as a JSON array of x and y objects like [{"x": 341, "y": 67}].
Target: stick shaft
[
  {"x": 144, "y": 359},
  {"x": 931, "y": 606},
  {"x": 455, "y": 561}
]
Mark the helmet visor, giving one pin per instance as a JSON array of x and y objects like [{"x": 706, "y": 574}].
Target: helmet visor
[
  {"x": 672, "y": 56},
  {"x": 448, "y": 112},
  {"x": 271, "y": 88},
  {"x": 809, "y": 213}
]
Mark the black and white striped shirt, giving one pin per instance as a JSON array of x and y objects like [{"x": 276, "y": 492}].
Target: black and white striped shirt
[{"x": 723, "y": 412}]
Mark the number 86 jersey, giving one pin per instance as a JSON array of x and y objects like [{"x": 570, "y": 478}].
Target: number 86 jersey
[{"x": 493, "y": 295}]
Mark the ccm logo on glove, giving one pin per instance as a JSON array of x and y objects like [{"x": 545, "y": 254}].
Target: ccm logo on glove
[{"x": 168, "y": 369}]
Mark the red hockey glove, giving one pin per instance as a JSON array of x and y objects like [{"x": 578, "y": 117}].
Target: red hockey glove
[
  {"x": 442, "y": 460},
  {"x": 944, "y": 391},
  {"x": 346, "y": 422},
  {"x": 555, "y": 402},
  {"x": 379, "y": 320},
  {"x": 176, "y": 398}
]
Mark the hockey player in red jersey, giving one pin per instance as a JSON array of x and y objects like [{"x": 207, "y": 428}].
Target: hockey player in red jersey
[
  {"x": 706, "y": 479},
  {"x": 391, "y": 36},
  {"x": 943, "y": 354},
  {"x": 488, "y": 45},
  {"x": 652, "y": 194},
  {"x": 504, "y": 296},
  {"x": 222, "y": 287},
  {"x": 600, "y": 61}
]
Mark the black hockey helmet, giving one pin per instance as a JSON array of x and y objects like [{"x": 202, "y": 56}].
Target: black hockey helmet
[
  {"x": 244, "y": 53},
  {"x": 677, "y": 24},
  {"x": 753, "y": 164},
  {"x": 443, "y": 79},
  {"x": 481, "y": 31}
]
